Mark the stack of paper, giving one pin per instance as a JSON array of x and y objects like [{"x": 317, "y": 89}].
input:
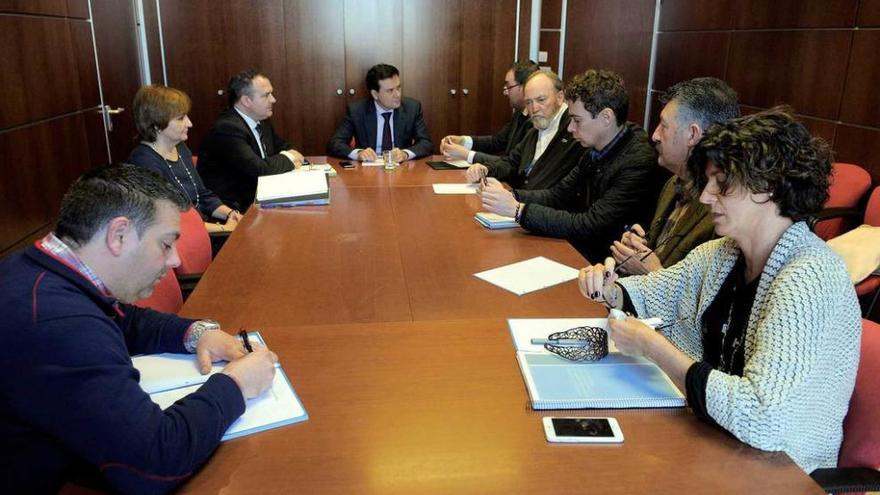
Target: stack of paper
[
  {"x": 171, "y": 377},
  {"x": 529, "y": 275},
  {"x": 293, "y": 188},
  {"x": 614, "y": 382},
  {"x": 494, "y": 221}
]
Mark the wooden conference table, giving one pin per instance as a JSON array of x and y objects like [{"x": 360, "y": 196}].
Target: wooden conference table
[{"x": 404, "y": 363}]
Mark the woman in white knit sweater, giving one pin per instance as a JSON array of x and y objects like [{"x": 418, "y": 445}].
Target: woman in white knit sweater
[{"x": 767, "y": 325}]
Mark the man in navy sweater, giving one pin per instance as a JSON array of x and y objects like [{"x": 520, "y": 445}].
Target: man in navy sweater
[{"x": 70, "y": 402}]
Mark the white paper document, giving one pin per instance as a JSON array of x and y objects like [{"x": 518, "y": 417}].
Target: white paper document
[
  {"x": 374, "y": 163},
  {"x": 294, "y": 184},
  {"x": 529, "y": 275},
  {"x": 455, "y": 188}
]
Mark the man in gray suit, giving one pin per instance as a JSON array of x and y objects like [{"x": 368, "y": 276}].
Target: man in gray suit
[{"x": 388, "y": 122}]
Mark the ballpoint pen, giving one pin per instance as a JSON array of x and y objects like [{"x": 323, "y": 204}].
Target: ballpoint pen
[{"x": 245, "y": 340}]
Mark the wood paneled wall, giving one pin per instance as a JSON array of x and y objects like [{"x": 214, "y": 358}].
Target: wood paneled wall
[
  {"x": 819, "y": 56},
  {"x": 615, "y": 35},
  {"x": 50, "y": 130},
  {"x": 452, "y": 55}
]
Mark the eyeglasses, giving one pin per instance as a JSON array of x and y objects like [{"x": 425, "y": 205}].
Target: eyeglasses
[{"x": 506, "y": 88}]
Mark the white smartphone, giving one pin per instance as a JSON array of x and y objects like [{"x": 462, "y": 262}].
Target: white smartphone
[{"x": 582, "y": 430}]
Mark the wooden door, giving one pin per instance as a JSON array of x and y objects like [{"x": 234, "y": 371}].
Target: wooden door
[
  {"x": 431, "y": 62},
  {"x": 372, "y": 36},
  {"x": 315, "y": 45},
  {"x": 116, "y": 46},
  {"x": 487, "y": 51}
]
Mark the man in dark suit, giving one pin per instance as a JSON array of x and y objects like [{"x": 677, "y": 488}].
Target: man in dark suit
[
  {"x": 476, "y": 149},
  {"x": 547, "y": 152},
  {"x": 242, "y": 145},
  {"x": 388, "y": 122}
]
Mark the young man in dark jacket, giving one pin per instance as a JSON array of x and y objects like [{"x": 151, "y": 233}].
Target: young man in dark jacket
[{"x": 615, "y": 183}]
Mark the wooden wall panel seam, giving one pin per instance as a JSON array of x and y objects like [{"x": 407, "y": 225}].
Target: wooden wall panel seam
[
  {"x": 49, "y": 119},
  {"x": 849, "y": 52}
]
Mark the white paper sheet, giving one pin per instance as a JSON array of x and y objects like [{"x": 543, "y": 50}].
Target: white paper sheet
[
  {"x": 455, "y": 188},
  {"x": 529, "y": 275}
]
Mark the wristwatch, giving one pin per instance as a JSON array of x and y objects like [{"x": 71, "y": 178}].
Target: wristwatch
[{"x": 195, "y": 333}]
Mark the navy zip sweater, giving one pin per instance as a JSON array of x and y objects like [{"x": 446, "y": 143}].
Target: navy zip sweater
[{"x": 69, "y": 396}]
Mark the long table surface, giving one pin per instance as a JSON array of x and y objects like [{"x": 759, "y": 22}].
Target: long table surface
[{"x": 405, "y": 365}]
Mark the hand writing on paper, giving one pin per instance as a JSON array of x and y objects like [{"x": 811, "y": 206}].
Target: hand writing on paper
[{"x": 254, "y": 372}]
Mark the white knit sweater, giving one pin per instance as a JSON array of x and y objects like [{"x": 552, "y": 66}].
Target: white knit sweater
[{"x": 801, "y": 342}]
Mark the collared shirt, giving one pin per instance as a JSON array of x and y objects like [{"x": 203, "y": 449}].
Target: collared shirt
[
  {"x": 597, "y": 155},
  {"x": 380, "y": 133},
  {"x": 253, "y": 126},
  {"x": 58, "y": 248},
  {"x": 546, "y": 135}
]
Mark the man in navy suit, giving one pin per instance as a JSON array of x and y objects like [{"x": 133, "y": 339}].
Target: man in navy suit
[
  {"x": 390, "y": 122},
  {"x": 242, "y": 145}
]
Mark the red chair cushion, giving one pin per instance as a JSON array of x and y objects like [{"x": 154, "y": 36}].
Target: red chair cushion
[
  {"x": 868, "y": 286},
  {"x": 848, "y": 184},
  {"x": 872, "y": 211},
  {"x": 861, "y": 428},
  {"x": 194, "y": 245},
  {"x": 166, "y": 297}
]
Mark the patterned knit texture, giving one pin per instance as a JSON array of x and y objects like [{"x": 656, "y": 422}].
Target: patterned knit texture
[{"x": 801, "y": 342}]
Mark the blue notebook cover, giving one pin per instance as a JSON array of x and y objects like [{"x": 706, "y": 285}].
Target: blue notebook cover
[{"x": 614, "y": 382}]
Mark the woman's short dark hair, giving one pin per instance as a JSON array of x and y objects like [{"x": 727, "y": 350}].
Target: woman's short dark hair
[
  {"x": 767, "y": 152},
  {"x": 155, "y": 106},
  {"x": 105, "y": 193}
]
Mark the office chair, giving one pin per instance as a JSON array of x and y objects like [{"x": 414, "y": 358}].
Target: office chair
[
  {"x": 194, "y": 248},
  {"x": 166, "y": 298},
  {"x": 859, "y": 459},
  {"x": 849, "y": 183}
]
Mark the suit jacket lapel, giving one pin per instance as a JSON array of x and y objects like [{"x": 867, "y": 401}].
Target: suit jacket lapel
[
  {"x": 248, "y": 132},
  {"x": 371, "y": 124},
  {"x": 399, "y": 115},
  {"x": 557, "y": 139}
]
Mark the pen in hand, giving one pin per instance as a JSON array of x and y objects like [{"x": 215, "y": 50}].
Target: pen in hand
[{"x": 245, "y": 340}]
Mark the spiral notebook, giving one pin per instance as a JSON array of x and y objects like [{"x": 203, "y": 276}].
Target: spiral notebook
[{"x": 615, "y": 382}]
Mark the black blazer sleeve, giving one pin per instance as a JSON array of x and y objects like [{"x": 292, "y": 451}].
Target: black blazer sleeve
[
  {"x": 238, "y": 147},
  {"x": 419, "y": 135},
  {"x": 339, "y": 142},
  {"x": 494, "y": 144}
]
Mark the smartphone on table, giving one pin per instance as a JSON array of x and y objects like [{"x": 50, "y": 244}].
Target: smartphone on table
[
  {"x": 582, "y": 430},
  {"x": 346, "y": 164}
]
